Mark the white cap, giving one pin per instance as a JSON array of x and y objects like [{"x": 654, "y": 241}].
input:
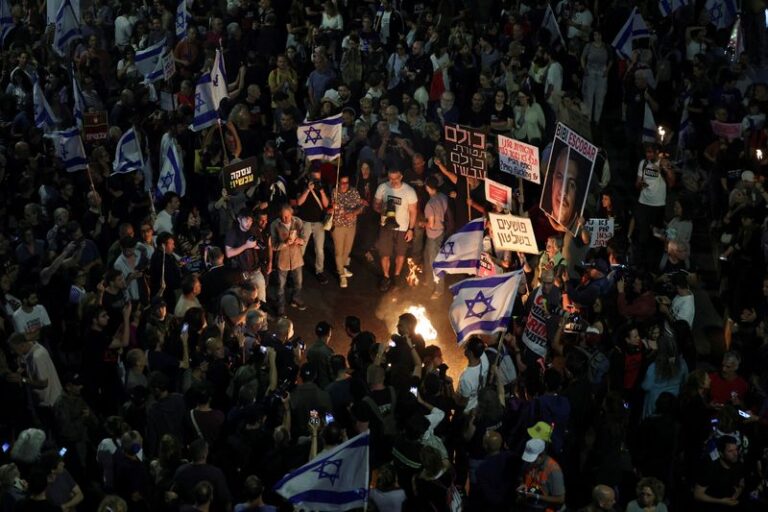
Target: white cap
[{"x": 533, "y": 448}]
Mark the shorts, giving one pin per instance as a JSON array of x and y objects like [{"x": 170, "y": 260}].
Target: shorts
[{"x": 391, "y": 241}]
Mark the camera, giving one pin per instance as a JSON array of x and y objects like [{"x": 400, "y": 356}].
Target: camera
[
  {"x": 389, "y": 217},
  {"x": 574, "y": 324}
]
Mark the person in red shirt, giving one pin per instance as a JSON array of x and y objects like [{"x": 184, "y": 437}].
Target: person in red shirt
[
  {"x": 727, "y": 386},
  {"x": 640, "y": 306}
]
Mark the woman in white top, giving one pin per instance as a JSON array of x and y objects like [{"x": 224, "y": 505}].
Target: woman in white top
[
  {"x": 126, "y": 67},
  {"x": 395, "y": 65},
  {"x": 332, "y": 19},
  {"x": 530, "y": 122}
]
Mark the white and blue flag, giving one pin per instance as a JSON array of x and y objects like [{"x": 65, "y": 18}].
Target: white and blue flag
[
  {"x": 52, "y": 7},
  {"x": 68, "y": 147},
  {"x": 206, "y": 112},
  {"x": 171, "y": 177},
  {"x": 79, "y": 104},
  {"x": 483, "y": 305},
  {"x": 460, "y": 254},
  {"x": 146, "y": 60},
  {"x": 634, "y": 28},
  {"x": 182, "y": 19},
  {"x": 128, "y": 156},
  {"x": 649, "y": 125},
  {"x": 44, "y": 116},
  {"x": 6, "y": 20},
  {"x": 550, "y": 23},
  {"x": 321, "y": 140},
  {"x": 218, "y": 80},
  {"x": 722, "y": 13},
  {"x": 335, "y": 480},
  {"x": 67, "y": 28},
  {"x": 158, "y": 73},
  {"x": 667, "y": 7}
]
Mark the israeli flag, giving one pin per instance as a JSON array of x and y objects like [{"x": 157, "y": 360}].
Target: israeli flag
[
  {"x": 6, "y": 20},
  {"x": 550, "y": 23},
  {"x": 146, "y": 60},
  {"x": 206, "y": 112},
  {"x": 128, "y": 157},
  {"x": 218, "y": 80},
  {"x": 171, "y": 177},
  {"x": 52, "y": 7},
  {"x": 321, "y": 140},
  {"x": 722, "y": 13},
  {"x": 44, "y": 117},
  {"x": 483, "y": 305},
  {"x": 67, "y": 28},
  {"x": 79, "y": 107},
  {"x": 182, "y": 19},
  {"x": 649, "y": 125},
  {"x": 667, "y": 7},
  {"x": 460, "y": 254},
  {"x": 336, "y": 480},
  {"x": 683, "y": 133},
  {"x": 634, "y": 28},
  {"x": 68, "y": 147},
  {"x": 158, "y": 73}
]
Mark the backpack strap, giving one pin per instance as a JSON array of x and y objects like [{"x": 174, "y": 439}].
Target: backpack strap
[{"x": 194, "y": 424}]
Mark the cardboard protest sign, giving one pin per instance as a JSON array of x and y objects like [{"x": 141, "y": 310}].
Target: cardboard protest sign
[
  {"x": 511, "y": 233},
  {"x": 95, "y": 126},
  {"x": 498, "y": 194},
  {"x": 240, "y": 175},
  {"x": 466, "y": 150},
  {"x": 569, "y": 173},
  {"x": 601, "y": 230},
  {"x": 519, "y": 159}
]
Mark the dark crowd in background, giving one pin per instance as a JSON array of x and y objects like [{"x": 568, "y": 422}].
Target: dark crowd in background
[{"x": 149, "y": 359}]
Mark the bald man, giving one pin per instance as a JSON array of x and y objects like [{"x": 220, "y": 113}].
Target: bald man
[
  {"x": 491, "y": 490},
  {"x": 603, "y": 500}
]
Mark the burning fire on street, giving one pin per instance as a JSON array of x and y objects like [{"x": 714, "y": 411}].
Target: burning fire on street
[
  {"x": 424, "y": 326},
  {"x": 413, "y": 273}
]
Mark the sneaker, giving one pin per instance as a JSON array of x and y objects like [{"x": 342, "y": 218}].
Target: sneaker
[
  {"x": 342, "y": 282},
  {"x": 385, "y": 285},
  {"x": 347, "y": 273},
  {"x": 322, "y": 278},
  {"x": 299, "y": 306}
]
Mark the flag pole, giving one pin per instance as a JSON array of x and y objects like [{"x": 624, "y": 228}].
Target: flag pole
[
  {"x": 226, "y": 87},
  {"x": 469, "y": 207},
  {"x": 521, "y": 196},
  {"x": 224, "y": 151},
  {"x": 90, "y": 178}
]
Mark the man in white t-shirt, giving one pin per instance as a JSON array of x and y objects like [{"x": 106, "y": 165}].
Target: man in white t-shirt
[
  {"x": 31, "y": 317},
  {"x": 683, "y": 306},
  {"x": 38, "y": 372},
  {"x": 653, "y": 176},
  {"x": 553, "y": 81},
  {"x": 164, "y": 220},
  {"x": 474, "y": 375},
  {"x": 397, "y": 203},
  {"x": 579, "y": 25}
]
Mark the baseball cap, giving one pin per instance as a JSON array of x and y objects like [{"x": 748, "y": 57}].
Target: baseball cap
[
  {"x": 748, "y": 176},
  {"x": 533, "y": 448},
  {"x": 541, "y": 430}
]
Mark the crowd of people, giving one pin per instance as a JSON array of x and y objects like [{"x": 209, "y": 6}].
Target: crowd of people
[{"x": 149, "y": 356}]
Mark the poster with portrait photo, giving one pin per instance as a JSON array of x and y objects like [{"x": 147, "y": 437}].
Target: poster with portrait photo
[{"x": 569, "y": 172}]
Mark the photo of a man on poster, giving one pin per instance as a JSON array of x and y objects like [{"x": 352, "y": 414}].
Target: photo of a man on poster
[{"x": 565, "y": 186}]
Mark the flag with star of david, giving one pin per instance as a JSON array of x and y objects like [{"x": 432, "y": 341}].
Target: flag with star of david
[
  {"x": 146, "y": 60},
  {"x": 206, "y": 112},
  {"x": 44, "y": 116},
  {"x": 6, "y": 20},
  {"x": 722, "y": 13},
  {"x": 66, "y": 28},
  {"x": 335, "y": 480},
  {"x": 68, "y": 147},
  {"x": 321, "y": 140},
  {"x": 483, "y": 305},
  {"x": 460, "y": 254},
  {"x": 171, "y": 177},
  {"x": 182, "y": 19}
]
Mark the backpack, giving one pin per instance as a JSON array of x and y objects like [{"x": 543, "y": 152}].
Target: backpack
[
  {"x": 388, "y": 423},
  {"x": 597, "y": 365}
]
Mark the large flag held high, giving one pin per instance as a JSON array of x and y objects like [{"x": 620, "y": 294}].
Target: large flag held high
[
  {"x": 335, "y": 480},
  {"x": 460, "y": 254},
  {"x": 171, "y": 177},
  {"x": 146, "y": 60},
  {"x": 634, "y": 28},
  {"x": 6, "y": 20},
  {"x": 67, "y": 28},
  {"x": 321, "y": 140},
  {"x": 44, "y": 116},
  {"x": 128, "y": 156},
  {"x": 206, "y": 112},
  {"x": 649, "y": 125},
  {"x": 483, "y": 305},
  {"x": 182, "y": 19},
  {"x": 722, "y": 13}
]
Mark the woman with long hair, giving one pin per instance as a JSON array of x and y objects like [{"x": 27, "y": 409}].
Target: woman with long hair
[
  {"x": 368, "y": 221},
  {"x": 666, "y": 374},
  {"x": 432, "y": 485},
  {"x": 530, "y": 122}
]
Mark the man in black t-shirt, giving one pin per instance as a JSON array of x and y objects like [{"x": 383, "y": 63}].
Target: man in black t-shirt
[
  {"x": 243, "y": 246},
  {"x": 721, "y": 482},
  {"x": 312, "y": 202}
]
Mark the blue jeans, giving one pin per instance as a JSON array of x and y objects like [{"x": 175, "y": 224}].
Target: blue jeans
[
  {"x": 296, "y": 275},
  {"x": 315, "y": 230},
  {"x": 431, "y": 250}
]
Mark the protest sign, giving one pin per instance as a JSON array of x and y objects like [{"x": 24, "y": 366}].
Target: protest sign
[
  {"x": 95, "y": 126},
  {"x": 466, "y": 150},
  {"x": 487, "y": 266},
  {"x": 498, "y": 194},
  {"x": 240, "y": 175},
  {"x": 512, "y": 233},
  {"x": 601, "y": 230},
  {"x": 569, "y": 173},
  {"x": 169, "y": 66},
  {"x": 729, "y": 131},
  {"x": 519, "y": 159}
]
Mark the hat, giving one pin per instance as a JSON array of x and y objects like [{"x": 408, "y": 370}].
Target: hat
[
  {"x": 542, "y": 431},
  {"x": 533, "y": 448},
  {"x": 748, "y": 176},
  {"x": 332, "y": 95},
  {"x": 158, "y": 302}
]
